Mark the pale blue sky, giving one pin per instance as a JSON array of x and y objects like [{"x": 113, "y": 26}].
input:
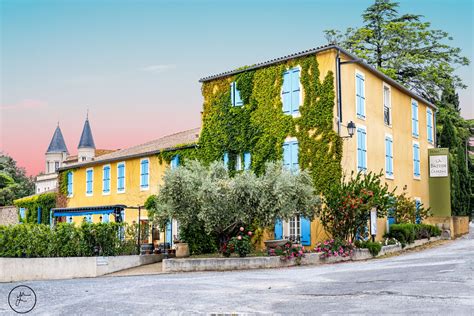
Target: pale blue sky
[{"x": 136, "y": 64}]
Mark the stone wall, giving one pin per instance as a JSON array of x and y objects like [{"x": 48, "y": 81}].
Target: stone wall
[{"x": 8, "y": 215}]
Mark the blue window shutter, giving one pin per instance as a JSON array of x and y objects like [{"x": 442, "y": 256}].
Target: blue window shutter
[
  {"x": 286, "y": 156},
  {"x": 305, "y": 231},
  {"x": 278, "y": 229},
  {"x": 286, "y": 92},
  {"x": 364, "y": 149},
  {"x": 238, "y": 100},
  {"x": 416, "y": 160},
  {"x": 226, "y": 160},
  {"x": 247, "y": 160},
  {"x": 388, "y": 156},
  {"x": 429, "y": 125},
  {"x": 295, "y": 90},
  {"x": 169, "y": 232},
  {"x": 105, "y": 218},
  {"x": 175, "y": 162},
  {"x": 232, "y": 99},
  {"x": 361, "y": 150},
  {"x": 414, "y": 107},
  {"x": 294, "y": 157}
]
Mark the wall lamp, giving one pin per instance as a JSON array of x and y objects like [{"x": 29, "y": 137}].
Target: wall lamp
[{"x": 350, "y": 129}]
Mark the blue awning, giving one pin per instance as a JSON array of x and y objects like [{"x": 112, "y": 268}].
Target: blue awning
[{"x": 88, "y": 210}]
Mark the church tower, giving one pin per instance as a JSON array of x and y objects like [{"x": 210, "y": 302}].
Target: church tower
[
  {"x": 57, "y": 152},
  {"x": 86, "y": 147}
]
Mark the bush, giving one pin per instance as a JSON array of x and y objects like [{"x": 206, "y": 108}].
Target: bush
[
  {"x": 64, "y": 240},
  {"x": 407, "y": 233},
  {"x": 373, "y": 247},
  {"x": 288, "y": 251},
  {"x": 241, "y": 244},
  {"x": 335, "y": 248}
]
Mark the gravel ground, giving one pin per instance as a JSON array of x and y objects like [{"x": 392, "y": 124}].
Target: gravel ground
[{"x": 436, "y": 281}]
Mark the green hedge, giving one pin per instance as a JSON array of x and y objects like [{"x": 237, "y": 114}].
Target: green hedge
[
  {"x": 65, "y": 240},
  {"x": 408, "y": 233},
  {"x": 373, "y": 247}
]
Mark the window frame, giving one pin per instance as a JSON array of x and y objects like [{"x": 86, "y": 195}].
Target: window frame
[
  {"x": 294, "y": 223},
  {"x": 233, "y": 91},
  {"x": 364, "y": 108},
  {"x": 147, "y": 187},
  {"x": 413, "y": 120},
  {"x": 119, "y": 190},
  {"x": 70, "y": 193},
  {"x": 389, "y": 88},
  {"x": 91, "y": 193}
]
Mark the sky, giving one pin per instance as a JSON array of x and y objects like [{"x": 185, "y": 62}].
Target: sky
[{"x": 135, "y": 65}]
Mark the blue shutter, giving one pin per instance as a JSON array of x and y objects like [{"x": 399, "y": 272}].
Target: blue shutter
[
  {"x": 169, "y": 232},
  {"x": 226, "y": 160},
  {"x": 286, "y": 156},
  {"x": 414, "y": 118},
  {"x": 238, "y": 100},
  {"x": 429, "y": 125},
  {"x": 175, "y": 162},
  {"x": 286, "y": 92},
  {"x": 69, "y": 183},
  {"x": 295, "y": 90},
  {"x": 247, "y": 160},
  {"x": 361, "y": 150},
  {"x": 294, "y": 157},
  {"x": 388, "y": 156},
  {"x": 232, "y": 99},
  {"x": 418, "y": 204},
  {"x": 416, "y": 160},
  {"x": 105, "y": 218},
  {"x": 278, "y": 229},
  {"x": 360, "y": 96},
  {"x": 305, "y": 231},
  {"x": 121, "y": 177},
  {"x": 89, "y": 218}
]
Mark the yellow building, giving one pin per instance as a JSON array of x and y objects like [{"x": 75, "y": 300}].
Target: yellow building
[
  {"x": 393, "y": 128},
  {"x": 112, "y": 187}
]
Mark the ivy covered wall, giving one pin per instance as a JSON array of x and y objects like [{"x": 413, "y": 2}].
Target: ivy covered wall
[{"x": 260, "y": 126}]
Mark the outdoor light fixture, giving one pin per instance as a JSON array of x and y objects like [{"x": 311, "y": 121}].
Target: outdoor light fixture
[{"x": 350, "y": 129}]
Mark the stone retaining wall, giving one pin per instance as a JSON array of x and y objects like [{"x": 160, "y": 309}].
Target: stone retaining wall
[
  {"x": 8, "y": 215},
  {"x": 223, "y": 264},
  {"x": 28, "y": 269}
]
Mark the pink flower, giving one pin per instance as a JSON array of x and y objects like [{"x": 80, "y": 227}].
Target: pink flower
[
  {"x": 241, "y": 229},
  {"x": 249, "y": 233},
  {"x": 239, "y": 237}
]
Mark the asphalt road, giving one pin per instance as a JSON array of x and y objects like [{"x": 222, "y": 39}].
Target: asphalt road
[{"x": 437, "y": 281}]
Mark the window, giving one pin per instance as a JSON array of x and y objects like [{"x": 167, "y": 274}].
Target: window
[
  {"x": 247, "y": 160},
  {"x": 106, "y": 179},
  {"x": 144, "y": 174},
  {"x": 175, "y": 162},
  {"x": 389, "y": 157},
  {"x": 414, "y": 118},
  {"x": 360, "y": 95},
  {"x": 56, "y": 166},
  {"x": 105, "y": 218},
  {"x": 290, "y": 156},
  {"x": 226, "y": 160},
  {"x": 121, "y": 177},
  {"x": 69, "y": 219},
  {"x": 89, "y": 181},
  {"x": 88, "y": 218},
  {"x": 295, "y": 229},
  {"x": 238, "y": 162},
  {"x": 291, "y": 91},
  {"x": 387, "y": 106},
  {"x": 22, "y": 213},
  {"x": 416, "y": 160},
  {"x": 361, "y": 149},
  {"x": 235, "y": 95},
  {"x": 69, "y": 183},
  {"x": 429, "y": 125}
]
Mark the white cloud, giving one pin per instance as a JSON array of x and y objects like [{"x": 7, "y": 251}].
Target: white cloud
[{"x": 158, "y": 68}]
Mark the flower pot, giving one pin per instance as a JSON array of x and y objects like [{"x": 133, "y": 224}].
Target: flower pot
[{"x": 272, "y": 244}]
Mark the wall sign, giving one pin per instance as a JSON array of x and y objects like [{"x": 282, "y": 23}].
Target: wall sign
[
  {"x": 438, "y": 166},
  {"x": 373, "y": 222}
]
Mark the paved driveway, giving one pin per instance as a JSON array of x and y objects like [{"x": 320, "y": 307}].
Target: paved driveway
[{"x": 437, "y": 281}]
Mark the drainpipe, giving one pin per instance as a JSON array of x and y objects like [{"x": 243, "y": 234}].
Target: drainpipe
[{"x": 338, "y": 89}]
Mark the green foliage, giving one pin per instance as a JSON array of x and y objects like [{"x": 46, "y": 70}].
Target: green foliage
[
  {"x": 260, "y": 126},
  {"x": 347, "y": 204},
  {"x": 64, "y": 240},
  {"x": 373, "y": 247},
  {"x": 405, "y": 48},
  {"x": 45, "y": 201},
  {"x": 407, "y": 233},
  {"x": 406, "y": 211},
  {"x": 210, "y": 198},
  {"x": 14, "y": 183},
  {"x": 241, "y": 244}
]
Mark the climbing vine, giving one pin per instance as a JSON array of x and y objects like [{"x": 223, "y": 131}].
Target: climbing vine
[{"x": 45, "y": 202}]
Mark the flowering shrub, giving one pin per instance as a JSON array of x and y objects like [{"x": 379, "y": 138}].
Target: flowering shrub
[
  {"x": 240, "y": 244},
  {"x": 335, "y": 248},
  {"x": 288, "y": 251}
]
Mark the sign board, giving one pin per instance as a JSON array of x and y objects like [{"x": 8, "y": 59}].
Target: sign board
[
  {"x": 439, "y": 166},
  {"x": 373, "y": 222}
]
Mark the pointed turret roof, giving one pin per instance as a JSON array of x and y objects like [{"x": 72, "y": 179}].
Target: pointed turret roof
[
  {"x": 87, "y": 141},
  {"x": 57, "y": 144}
]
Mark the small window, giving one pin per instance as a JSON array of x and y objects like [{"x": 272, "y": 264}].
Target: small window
[
  {"x": 361, "y": 149},
  {"x": 175, "y": 162},
  {"x": 56, "y": 166},
  {"x": 414, "y": 118},
  {"x": 387, "y": 107},
  {"x": 429, "y": 125},
  {"x": 144, "y": 174},
  {"x": 69, "y": 184},
  {"x": 238, "y": 162},
  {"x": 360, "y": 95},
  {"x": 290, "y": 156},
  {"x": 295, "y": 229},
  {"x": 416, "y": 160},
  {"x": 291, "y": 91},
  {"x": 235, "y": 98},
  {"x": 106, "y": 179},
  {"x": 89, "y": 181},
  {"x": 247, "y": 160},
  {"x": 121, "y": 177},
  {"x": 226, "y": 160}
]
